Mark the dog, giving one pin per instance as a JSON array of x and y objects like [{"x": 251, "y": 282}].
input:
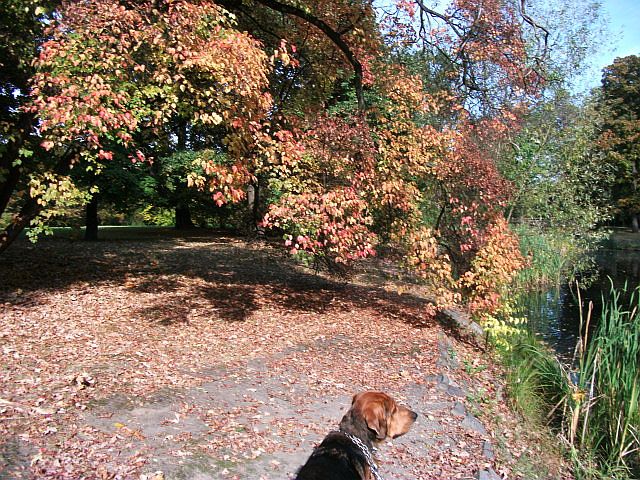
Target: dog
[{"x": 347, "y": 453}]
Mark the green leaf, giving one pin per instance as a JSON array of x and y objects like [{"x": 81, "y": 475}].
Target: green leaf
[{"x": 25, "y": 152}]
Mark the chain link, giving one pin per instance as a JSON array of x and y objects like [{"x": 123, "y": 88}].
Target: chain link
[{"x": 367, "y": 455}]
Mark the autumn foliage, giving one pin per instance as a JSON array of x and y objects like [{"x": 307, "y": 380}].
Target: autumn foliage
[
  {"x": 331, "y": 226},
  {"x": 493, "y": 268},
  {"x": 310, "y": 104},
  {"x": 98, "y": 85}
]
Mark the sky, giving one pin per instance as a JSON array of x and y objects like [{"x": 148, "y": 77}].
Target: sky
[{"x": 624, "y": 26}]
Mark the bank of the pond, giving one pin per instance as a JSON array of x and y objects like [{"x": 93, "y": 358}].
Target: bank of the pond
[
  {"x": 230, "y": 354},
  {"x": 588, "y": 391},
  {"x": 593, "y": 402}
]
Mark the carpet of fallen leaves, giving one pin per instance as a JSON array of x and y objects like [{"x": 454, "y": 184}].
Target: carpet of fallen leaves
[{"x": 205, "y": 356}]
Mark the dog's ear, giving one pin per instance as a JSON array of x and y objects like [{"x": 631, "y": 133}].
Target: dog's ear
[{"x": 375, "y": 416}]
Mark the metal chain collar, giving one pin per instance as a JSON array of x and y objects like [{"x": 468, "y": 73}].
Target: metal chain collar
[{"x": 367, "y": 454}]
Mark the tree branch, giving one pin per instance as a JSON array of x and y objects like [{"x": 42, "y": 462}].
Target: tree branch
[{"x": 332, "y": 34}]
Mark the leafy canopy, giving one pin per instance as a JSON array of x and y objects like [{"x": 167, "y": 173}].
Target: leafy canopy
[{"x": 327, "y": 107}]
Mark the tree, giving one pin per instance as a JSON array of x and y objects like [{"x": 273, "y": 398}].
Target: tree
[
  {"x": 620, "y": 134},
  {"x": 492, "y": 53},
  {"x": 110, "y": 71},
  {"x": 399, "y": 170},
  {"x": 339, "y": 44},
  {"x": 561, "y": 181},
  {"x": 21, "y": 33},
  {"x": 576, "y": 32},
  {"x": 119, "y": 184},
  {"x": 309, "y": 103}
]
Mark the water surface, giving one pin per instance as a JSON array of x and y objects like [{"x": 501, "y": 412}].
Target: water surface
[{"x": 555, "y": 314}]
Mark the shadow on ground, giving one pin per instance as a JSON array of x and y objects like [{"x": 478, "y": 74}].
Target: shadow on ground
[{"x": 230, "y": 275}]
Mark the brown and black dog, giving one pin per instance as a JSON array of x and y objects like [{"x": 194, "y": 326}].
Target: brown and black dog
[{"x": 373, "y": 416}]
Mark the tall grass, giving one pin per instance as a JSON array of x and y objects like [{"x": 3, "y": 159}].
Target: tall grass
[
  {"x": 548, "y": 257},
  {"x": 608, "y": 385},
  {"x": 554, "y": 256},
  {"x": 536, "y": 379},
  {"x": 594, "y": 404}
]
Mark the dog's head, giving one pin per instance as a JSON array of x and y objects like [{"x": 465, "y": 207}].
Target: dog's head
[{"x": 381, "y": 415}]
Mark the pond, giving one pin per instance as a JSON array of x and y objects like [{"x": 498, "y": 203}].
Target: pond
[{"x": 554, "y": 315}]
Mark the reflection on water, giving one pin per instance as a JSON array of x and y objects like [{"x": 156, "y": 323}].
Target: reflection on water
[{"x": 555, "y": 314}]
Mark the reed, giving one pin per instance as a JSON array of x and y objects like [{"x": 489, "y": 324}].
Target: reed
[
  {"x": 549, "y": 258},
  {"x": 554, "y": 257},
  {"x": 607, "y": 391},
  {"x": 593, "y": 404}
]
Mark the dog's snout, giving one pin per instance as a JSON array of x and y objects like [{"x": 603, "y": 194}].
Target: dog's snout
[{"x": 414, "y": 415}]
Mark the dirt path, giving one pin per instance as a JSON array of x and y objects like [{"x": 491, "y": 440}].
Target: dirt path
[{"x": 208, "y": 357}]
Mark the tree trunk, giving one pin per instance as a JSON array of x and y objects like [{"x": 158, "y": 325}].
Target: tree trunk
[
  {"x": 91, "y": 230},
  {"x": 181, "y": 133},
  {"x": 255, "y": 208},
  {"x": 635, "y": 223},
  {"x": 253, "y": 202},
  {"x": 27, "y": 213},
  {"x": 9, "y": 184},
  {"x": 8, "y": 161},
  {"x": 183, "y": 217}
]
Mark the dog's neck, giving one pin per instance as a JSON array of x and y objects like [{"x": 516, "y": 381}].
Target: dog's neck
[
  {"x": 356, "y": 426},
  {"x": 356, "y": 429}
]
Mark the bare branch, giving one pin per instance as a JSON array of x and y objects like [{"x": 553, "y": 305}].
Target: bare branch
[{"x": 331, "y": 33}]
